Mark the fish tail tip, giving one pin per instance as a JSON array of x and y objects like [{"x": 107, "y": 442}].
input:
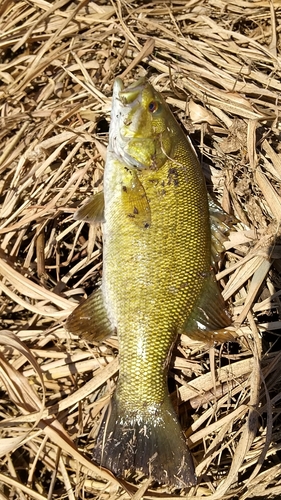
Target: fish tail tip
[{"x": 151, "y": 443}]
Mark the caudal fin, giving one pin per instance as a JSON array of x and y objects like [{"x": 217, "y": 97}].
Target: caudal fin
[{"x": 151, "y": 442}]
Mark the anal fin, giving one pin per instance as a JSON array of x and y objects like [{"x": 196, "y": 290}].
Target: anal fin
[
  {"x": 90, "y": 319},
  {"x": 210, "y": 318}
]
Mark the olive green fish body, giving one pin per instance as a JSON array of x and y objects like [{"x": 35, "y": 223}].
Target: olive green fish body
[
  {"x": 157, "y": 280},
  {"x": 156, "y": 257}
]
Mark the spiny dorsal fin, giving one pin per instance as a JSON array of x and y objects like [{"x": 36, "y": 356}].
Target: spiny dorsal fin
[
  {"x": 93, "y": 210},
  {"x": 90, "y": 319},
  {"x": 221, "y": 223}
]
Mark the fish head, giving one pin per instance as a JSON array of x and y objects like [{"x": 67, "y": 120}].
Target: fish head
[{"x": 141, "y": 134}]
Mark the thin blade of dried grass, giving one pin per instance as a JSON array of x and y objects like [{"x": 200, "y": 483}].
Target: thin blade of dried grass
[
  {"x": 30, "y": 289},
  {"x": 205, "y": 382},
  {"x": 19, "y": 389},
  {"x": 255, "y": 285},
  {"x": 20, "y": 486},
  {"x": 272, "y": 198}
]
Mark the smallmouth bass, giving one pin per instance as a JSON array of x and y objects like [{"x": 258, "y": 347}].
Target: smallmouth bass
[{"x": 157, "y": 281}]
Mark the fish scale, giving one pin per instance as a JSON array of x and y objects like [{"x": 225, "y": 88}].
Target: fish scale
[{"x": 157, "y": 281}]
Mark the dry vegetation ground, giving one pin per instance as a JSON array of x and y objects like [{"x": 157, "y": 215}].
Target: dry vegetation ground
[{"x": 218, "y": 64}]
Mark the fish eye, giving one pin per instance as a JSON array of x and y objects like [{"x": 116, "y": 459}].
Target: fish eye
[{"x": 153, "y": 106}]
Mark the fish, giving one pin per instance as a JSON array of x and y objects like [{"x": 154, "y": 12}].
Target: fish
[{"x": 158, "y": 280}]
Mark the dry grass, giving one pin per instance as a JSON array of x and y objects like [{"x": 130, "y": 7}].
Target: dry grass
[{"x": 218, "y": 64}]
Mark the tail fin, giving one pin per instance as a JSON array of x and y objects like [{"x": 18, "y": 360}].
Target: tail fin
[{"x": 151, "y": 442}]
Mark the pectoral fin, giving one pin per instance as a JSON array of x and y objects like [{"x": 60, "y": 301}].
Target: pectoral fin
[
  {"x": 134, "y": 200},
  {"x": 93, "y": 210},
  {"x": 209, "y": 317},
  {"x": 90, "y": 319}
]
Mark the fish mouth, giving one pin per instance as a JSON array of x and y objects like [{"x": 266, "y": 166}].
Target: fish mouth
[
  {"x": 124, "y": 100},
  {"x": 129, "y": 95}
]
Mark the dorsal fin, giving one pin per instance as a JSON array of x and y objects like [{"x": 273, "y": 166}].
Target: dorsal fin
[{"x": 220, "y": 223}]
